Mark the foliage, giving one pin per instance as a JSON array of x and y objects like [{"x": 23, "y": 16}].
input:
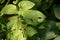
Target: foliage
[{"x": 30, "y": 20}]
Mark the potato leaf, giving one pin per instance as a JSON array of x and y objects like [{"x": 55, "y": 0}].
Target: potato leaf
[
  {"x": 33, "y": 17},
  {"x": 9, "y": 9},
  {"x": 15, "y": 30},
  {"x": 30, "y": 31},
  {"x": 26, "y": 5}
]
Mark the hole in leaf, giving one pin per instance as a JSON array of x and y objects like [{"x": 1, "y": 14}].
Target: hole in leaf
[
  {"x": 39, "y": 17},
  {"x": 20, "y": 29},
  {"x": 21, "y": 16},
  {"x": 23, "y": 35},
  {"x": 29, "y": 25},
  {"x": 29, "y": 30},
  {"x": 31, "y": 19},
  {"x": 14, "y": 29},
  {"x": 9, "y": 39},
  {"x": 24, "y": 29}
]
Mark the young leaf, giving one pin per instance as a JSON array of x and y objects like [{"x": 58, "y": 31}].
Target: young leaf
[
  {"x": 57, "y": 11},
  {"x": 26, "y": 5},
  {"x": 9, "y": 9},
  {"x": 30, "y": 31}
]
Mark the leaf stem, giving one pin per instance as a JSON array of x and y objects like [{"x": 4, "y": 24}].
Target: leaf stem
[{"x": 7, "y": 2}]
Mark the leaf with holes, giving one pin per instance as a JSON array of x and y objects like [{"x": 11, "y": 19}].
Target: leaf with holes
[
  {"x": 15, "y": 30},
  {"x": 33, "y": 17}
]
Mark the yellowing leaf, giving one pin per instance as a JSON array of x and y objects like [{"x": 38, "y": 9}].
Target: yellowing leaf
[{"x": 15, "y": 30}]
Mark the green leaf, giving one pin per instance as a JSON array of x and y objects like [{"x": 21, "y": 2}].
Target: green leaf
[
  {"x": 12, "y": 22},
  {"x": 58, "y": 25},
  {"x": 16, "y": 35},
  {"x": 57, "y": 11},
  {"x": 33, "y": 17},
  {"x": 9, "y": 9},
  {"x": 30, "y": 31},
  {"x": 26, "y": 5},
  {"x": 57, "y": 38},
  {"x": 37, "y": 2},
  {"x": 21, "y": 11},
  {"x": 16, "y": 1},
  {"x": 50, "y": 35},
  {"x": 15, "y": 30}
]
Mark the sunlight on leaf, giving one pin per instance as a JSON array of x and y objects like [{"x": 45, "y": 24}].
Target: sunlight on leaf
[
  {"x": 9, "y": 9},
  {"x": 26, "y": 5}
]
